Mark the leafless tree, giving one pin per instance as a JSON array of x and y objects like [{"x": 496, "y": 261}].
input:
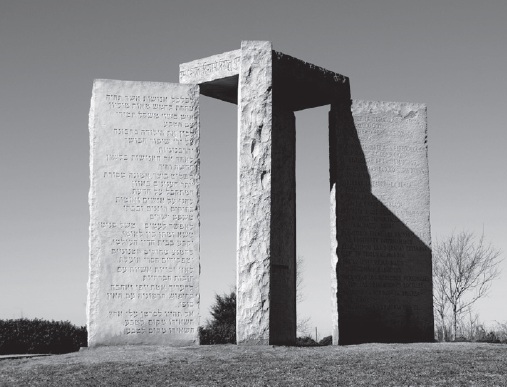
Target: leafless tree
[
  {"x": 464, "y": 267},
  {"x": 303, "y": 322},
  {"x": 300, "y": 264},
  {"x": 471, "y": 325},
  {"x": 440, "y": 303}
]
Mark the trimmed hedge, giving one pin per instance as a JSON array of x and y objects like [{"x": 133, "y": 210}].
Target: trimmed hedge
[{"x": 24, "y": 336}]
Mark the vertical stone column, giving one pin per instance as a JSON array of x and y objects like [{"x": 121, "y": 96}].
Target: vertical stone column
[
  {"x": 254, "y": 193},
  {"x": 266, "y": 205},
  {"x": 340, "y": 124},
  {"x": 282, "y": 321}
]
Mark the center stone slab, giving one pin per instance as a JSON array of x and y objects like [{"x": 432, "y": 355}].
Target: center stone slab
[
  {"x": 268, "y": 87},
  {"x": 144, "y": 214}
]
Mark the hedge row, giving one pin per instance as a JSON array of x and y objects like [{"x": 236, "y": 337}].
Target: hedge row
[{"x": 24, "y": 336}]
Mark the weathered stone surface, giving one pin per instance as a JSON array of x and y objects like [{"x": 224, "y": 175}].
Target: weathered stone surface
[
  {"x": 211, "y": 68},
  {"x": 380, "y": 240},
  {"x": 217, "y": 75},
  {"x": 380, "y": 223},
  {"x": 144, "y": 214},
  {"x": 266, "y": 311},
  {"x": 254, "y": 201}
]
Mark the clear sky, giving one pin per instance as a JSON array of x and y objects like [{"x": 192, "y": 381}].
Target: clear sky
[{"x": 450, "y": 55}]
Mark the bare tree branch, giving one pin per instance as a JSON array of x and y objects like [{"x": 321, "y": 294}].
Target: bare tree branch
[
  {"x": 300, "y": 264},
  {"x": 303, "y": 322},
  {"x": 464, "y": 268}
]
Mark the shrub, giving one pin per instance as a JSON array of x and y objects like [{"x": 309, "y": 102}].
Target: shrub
[
  {"x": 490, "y": 337},
  {"x": 501, "y": 332},
  {"x": 222, "y": 328},
  {"x": 328, "y": 340},
  {"x": 24, "y": 336},
  {"x": 306, "y": 341}
]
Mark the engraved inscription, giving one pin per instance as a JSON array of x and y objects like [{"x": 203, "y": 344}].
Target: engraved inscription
[
  {"x": 381, "y": 234},
  {"x": 384, "y": 183},
  {"x": 145, "y": 180},
  {"x": 208, "y": 68}
]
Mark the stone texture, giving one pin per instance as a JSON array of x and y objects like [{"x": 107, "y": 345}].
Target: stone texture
[
  {"x": 211, "y": 68},
  {"x": 271, "y": 86},
  {"x": 217, "y": 75},
  {"x": 254, "y": 193},
  {"x": 379, "y": 192},
  {"x": 144, "y": 214},
  {"x": 380, "y": 223}
]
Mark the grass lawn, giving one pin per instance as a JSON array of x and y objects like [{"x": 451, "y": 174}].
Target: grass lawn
[{"x": 438, "y": 364}]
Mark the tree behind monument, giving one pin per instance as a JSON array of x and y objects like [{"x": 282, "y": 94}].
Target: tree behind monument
[{"x": 464, "y": 267}]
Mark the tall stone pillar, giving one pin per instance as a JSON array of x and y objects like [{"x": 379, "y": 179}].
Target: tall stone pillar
[
  {"x": 268, "y": 87},
  {"x": 339, "y": 125},
  {"x": 282, "y": 317},
  {"x": 266, "y": 311}
]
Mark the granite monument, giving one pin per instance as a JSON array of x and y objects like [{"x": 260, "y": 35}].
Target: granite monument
[{"x": 144, "y": 205}]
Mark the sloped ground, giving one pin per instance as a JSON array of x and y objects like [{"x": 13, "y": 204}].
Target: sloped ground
[{"x": 446, "y": 364}]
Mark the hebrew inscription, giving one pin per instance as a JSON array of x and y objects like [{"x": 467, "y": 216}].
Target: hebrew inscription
[
  {"x": 383, "y": 241},
  {"x": 212, "y": 68},
  {"x": 144, "y": 206},
  {"x": 394, "y": 141}
]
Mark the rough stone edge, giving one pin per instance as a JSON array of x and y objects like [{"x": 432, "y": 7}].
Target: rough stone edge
[
  {"x": 195, "y": 91},
  {"x": 334, "y": 265},
  {"x": 92, "y": 267},
  {"x": 337, "y": 121},
  {"x": 184, "y": 68},
  {"x": 360, "y": 105},
  {"x": 254, "y": 153},
  {"x": 304, "y": 70}
]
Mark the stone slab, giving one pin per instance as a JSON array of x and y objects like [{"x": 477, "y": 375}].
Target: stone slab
[
  {"x": 380, "y": 223},
  {"x": 144, "y": 214},
  {"x": 302, "y": 85},
  {"x": 211, "y": 68},
  {"x": 217, "y": 75}
]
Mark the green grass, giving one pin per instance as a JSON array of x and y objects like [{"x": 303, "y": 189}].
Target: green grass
[{"x": 439, "y": 364}]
